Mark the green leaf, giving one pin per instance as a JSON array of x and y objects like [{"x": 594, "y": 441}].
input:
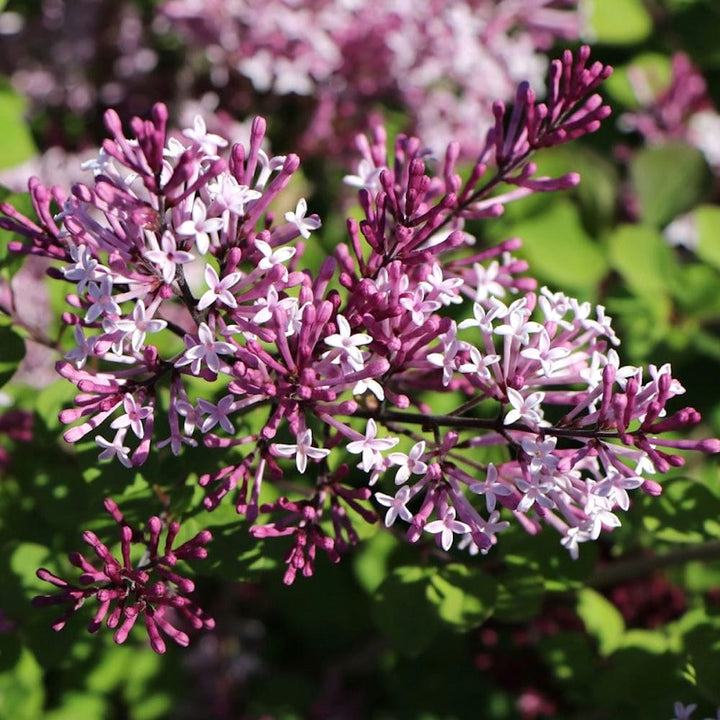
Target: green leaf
[
  {"x": 148, "y": 698},
  {"x": 22, "y": 691},
  {"x": 51, "y": 400},
  {"x": 403, "y": 611},
  {"x": 680, "y": 514},
  {"x": 12, "y": 351},
  {"x": 695, "y": 291},
  {"x": 559, "y": 250},
  {"x": 696, "y": 30},
  {"x": 25, "y": 559},
  {"x": 656, "y": 72},
  {"x": 702, "y": 646},
  {"x": 668, "y": 180},
  {"x": 370, "y": 562},
  {"x": 464, "y": 596},
  {"x": 619, "y": 22},
  {"x": 78, "y": 704},
  {"x": 643, "y": 259},
  {"x": 570, "y": 658},
  {"x": 602, "y": 620},
  {"x": 520, "y": 594},
  {"x": 16, "y": 143},
  {"x": 543, "y": 555},
  {"x": 637, "y": 683}
]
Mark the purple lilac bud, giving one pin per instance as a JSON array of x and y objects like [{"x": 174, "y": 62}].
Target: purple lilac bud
[{"x": 134, "y": 591}]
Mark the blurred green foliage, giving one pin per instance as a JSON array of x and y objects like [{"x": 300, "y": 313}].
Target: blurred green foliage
[{"x": 400, "y": 631}]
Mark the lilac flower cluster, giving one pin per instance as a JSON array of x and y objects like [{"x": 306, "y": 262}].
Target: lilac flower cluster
[
  {"x": 684, "y": 712},
  {"x": 127, "y": 589},
  {"x": 192, "y": 317},
  {"x": 681, "y": 111},
  {"x": 446, "y": 62},
  {"x": 72, "y": 57}
]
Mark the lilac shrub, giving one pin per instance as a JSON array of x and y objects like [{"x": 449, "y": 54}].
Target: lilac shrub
[
  {"x": 194, "y": 321},
  {"x": 347, "y": 56}
]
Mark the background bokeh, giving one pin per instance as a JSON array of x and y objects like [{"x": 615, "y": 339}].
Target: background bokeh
[{"x": 624, "y": 632}]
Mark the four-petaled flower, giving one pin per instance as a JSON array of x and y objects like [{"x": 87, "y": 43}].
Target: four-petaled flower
[
  {"x": 228, "y": 196},
  {"x": 371, "y": 447},
  {"x": 133, "y": 416},
  {"x": 526, "y": 409},
  {"x": 302, "y": 450},
  {"x": 139, "y": 326},
  {"x": 491, "y": 488},
  {"x": 216, "y": 414},
  {"x": 418, "y": 306},
  {"x": 348, "y": 343},
  {"x": 207, "y": 349},
  {"x": 103, "y": 302},
  {"x": 410, "y": 463},
  {"x": 169, "y": 257},
  {"x": 271, "y": 257},
  {"x": 219, "y": 290},
  {"x": 298, "y": 219},
  {"x": 200, "y": 227},
  {"x": 86, "y": 268},
  {"x": 84, "y": 348},
  {"x": 447, "y": 527},
  {"x": 198, "y": 133},
  {"x": 396, "y": 505},
  {"x": 115, "y": 448}
]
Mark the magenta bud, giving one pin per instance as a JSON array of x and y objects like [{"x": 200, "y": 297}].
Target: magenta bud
[
  {"x": 710, "y": 445},
  {"x": 650, "y": 487}
]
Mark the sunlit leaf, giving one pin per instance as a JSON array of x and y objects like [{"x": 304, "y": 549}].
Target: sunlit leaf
[
  {"x": 403, "y": 611},
  {"x": 16, "y": 143},
  {"x": 619, "y": 22},
  {"x": 669, "y": 180},
  {"x": 602, "y": 620}
]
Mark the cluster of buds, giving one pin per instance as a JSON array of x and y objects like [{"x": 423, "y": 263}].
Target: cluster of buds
[
  {"x": 127, "y": 589},
  {"x": 173, "y": 242}
]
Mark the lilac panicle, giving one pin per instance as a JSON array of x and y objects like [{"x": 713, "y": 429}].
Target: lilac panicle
[
  {"x": 349, "y": 56},
  {"x": 338, "y": 371},
  {"x": 125, "y": 591}
]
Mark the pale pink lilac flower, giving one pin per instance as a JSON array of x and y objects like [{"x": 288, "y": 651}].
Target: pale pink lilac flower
[
  {"x": 133, "y": 416},
  {"x": 167, "y": 257},
  {"x": 199, "y": 227},
  {"x": 447, "y": 527},
  {"x": 139, "y": 326},
  {"x": 205, "y": 350},
  {"x": 396, "y": 505},
  {"x": 361, "y": 340},
  {"x": 218, "y": 290},
  {"x": 371, "y": 447},
  {"x": 115, "y": 449},
  {"x": 297, "y": 218},
  {"x": 302, "y": 450}
]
